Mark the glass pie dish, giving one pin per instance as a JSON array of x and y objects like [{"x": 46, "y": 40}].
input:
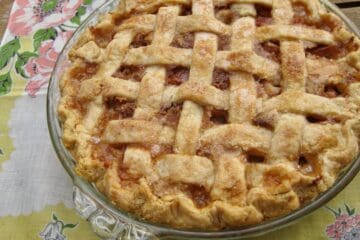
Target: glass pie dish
[{"x": 110, "y": 222}]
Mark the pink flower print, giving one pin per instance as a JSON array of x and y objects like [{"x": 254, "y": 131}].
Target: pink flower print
[
  {"x": 345, "y": 222},
  {"x": 346, "y": 225},
  {"x": 34, "y": 86},
  {"x": 39, "y": 69},
  {"x": 356, "y": 221},
  {"x": 334, "y": 231},
  {"x": 30, "y": 16}
]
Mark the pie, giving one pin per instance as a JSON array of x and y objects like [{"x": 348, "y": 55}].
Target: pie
[{"x": 213, "y": 114}]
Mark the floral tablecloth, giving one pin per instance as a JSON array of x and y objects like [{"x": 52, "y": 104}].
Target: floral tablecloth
[{"x": 35, "y": 191}]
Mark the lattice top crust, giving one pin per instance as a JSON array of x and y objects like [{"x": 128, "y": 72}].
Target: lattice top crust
[{"x": 213, "y": 114}]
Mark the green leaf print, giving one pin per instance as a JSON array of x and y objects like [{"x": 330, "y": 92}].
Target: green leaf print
[
  {"x": 1, "y": 152},
  {"x": 55, "y": 218},
  {"x": 5, "y": 83},
  {"x": 49, "y": 5},
  {"x": 81, "y": 10},
  {"x": 69, "y": 226},
  {"x": 23, "y": 58},
  {"x": 8, "y": 51},
  {"x": 349, "y": 210},
  {"x": 77, "y": 18},
  {"x": 87, "y": 2},
  {"x": 43, "y": 35}
]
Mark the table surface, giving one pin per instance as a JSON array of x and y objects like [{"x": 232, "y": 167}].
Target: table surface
[{"x": 350, "y": 7}]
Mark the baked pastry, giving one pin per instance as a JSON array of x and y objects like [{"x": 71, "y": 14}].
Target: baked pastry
[{"x": 213, "y": 114}]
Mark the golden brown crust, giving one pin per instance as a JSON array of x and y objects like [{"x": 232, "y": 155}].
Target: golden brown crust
[{"x": 213, "y": 114}]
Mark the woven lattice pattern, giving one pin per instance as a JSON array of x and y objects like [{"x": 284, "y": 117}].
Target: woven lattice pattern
[{"x": 213, "y": 114}]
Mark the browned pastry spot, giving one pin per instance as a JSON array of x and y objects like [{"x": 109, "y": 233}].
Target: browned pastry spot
[
  {"x": 170, "y": 114},
  {"x": 119, "y": 18},
  {"x": 135, "y": 73},
  {"x": 334, "y": 51},
  {"x": 269, "y": 50},
  {"x": 198, "y": 194},
  {"x": 272, "y": 179},
  {"x": 176, "y": 75},
  {"x": 103, "y": 35},
  {"x": 141, "y": 40},
  {"x": 84, "y": 71},
  {"x": 79, "y": 105},
  {"x": 221, "y": 79},
  {"x": 184, "y": 40},
  {"x": 107, "y": 153},
  {"x": 263, "y": 15}
]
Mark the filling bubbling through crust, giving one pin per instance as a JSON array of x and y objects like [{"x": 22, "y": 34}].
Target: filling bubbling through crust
[
  {"x": 329, "y": 79},
  {"x": 107, "y": 153},
  {"x": 198, "y": 194},
  {"x": 224, "y": 43},
  {"x": 221, "y": 79},
  {"x": 121, "y": 107},
  {"x": 213, "y": 117},
  {"x": 224, "y": 14},
  {"x": 176, "y": 75},
  {"x": 116, "y": 108},
  {"x": 134, "y": 73},
  {"x": 184, "y": 40},
  {"x": 103, "y": 35},
  {"x": 302, "y": 17},
  {"x": 78, "y": 74},
  {"x": 141, "y": 40},
  {"x": 265, "y": 89},
  {"x": 337, "y": 51},
  {"x": 84, "y": 71},
  {"x": 170, "y": 114},
  {"x": 264, "y": 15},
  {"x": 269, "y": 50}
]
